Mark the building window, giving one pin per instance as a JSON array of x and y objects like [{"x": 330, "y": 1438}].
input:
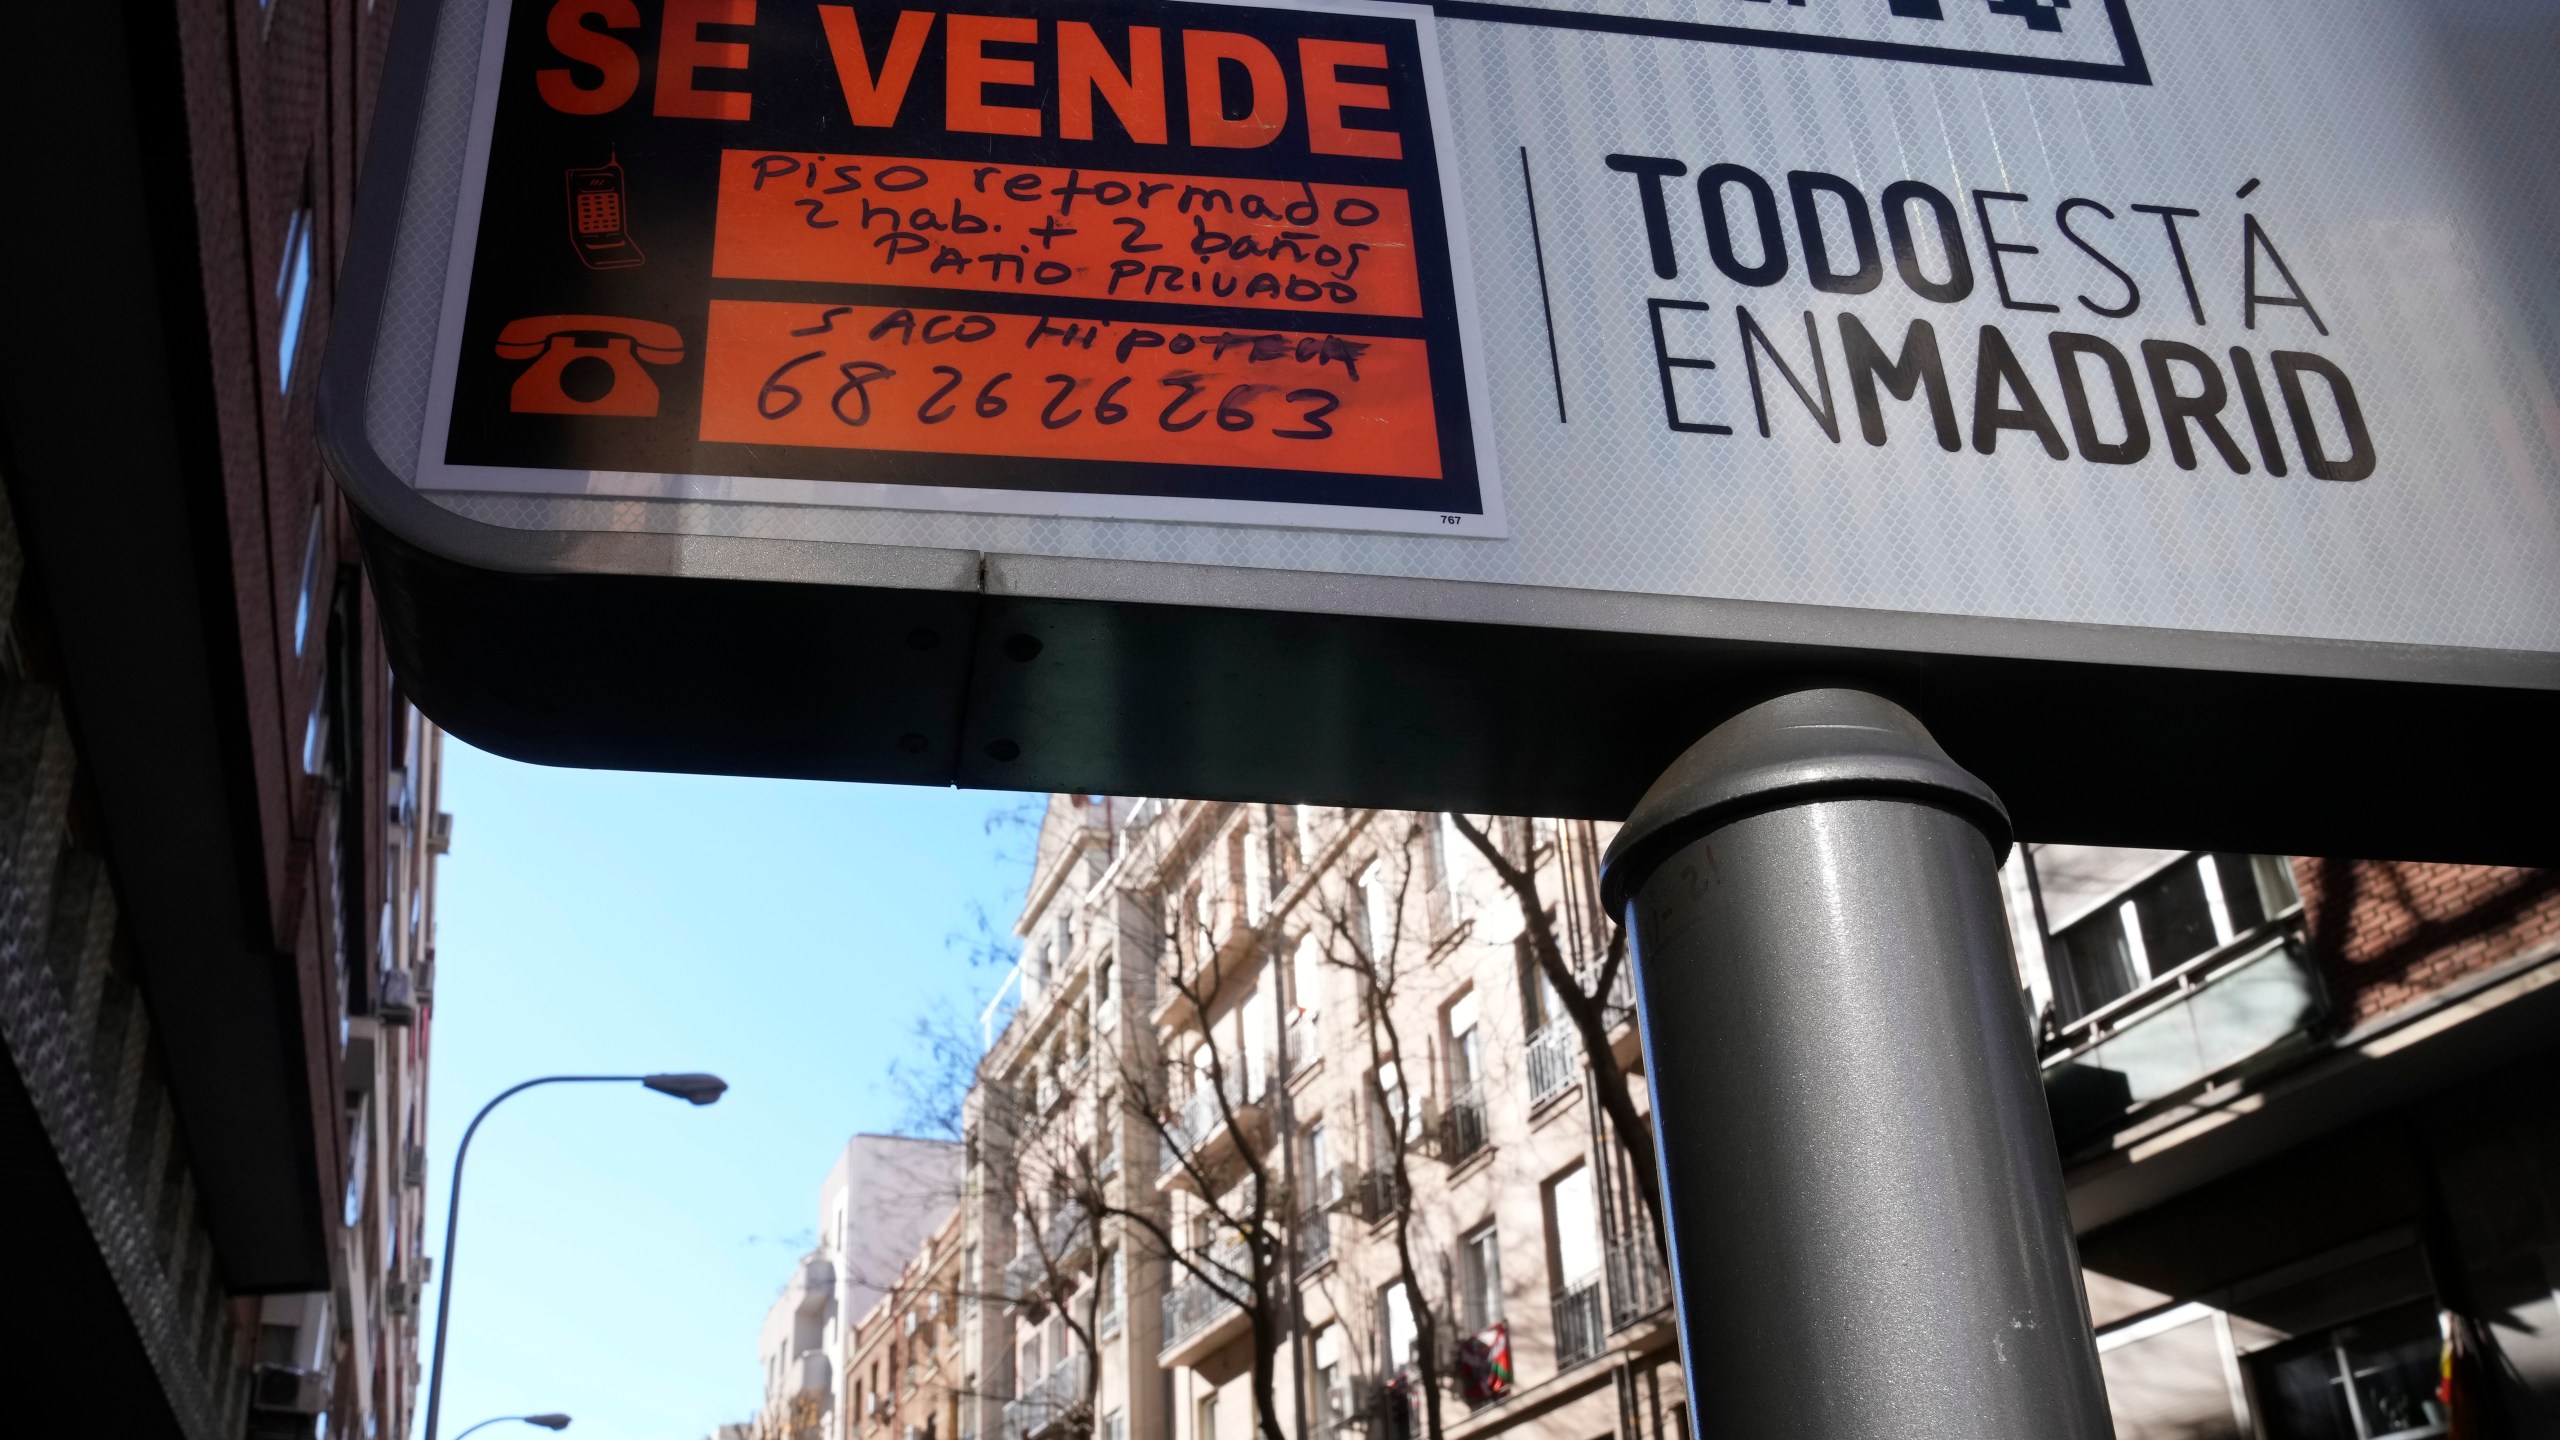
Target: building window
[
  {"x": 1397, "y": 1333},
  {"x": 1205, "y": 1421},
  {"x": 2373, "y": 1380},
  {"x": 293, "y": 292},
  {"x": 1306, "y": 992},
  {"x": 1479, "y": 1279},
  {"x": 1446, "y": 844},
  {"x": 1333, "y": 1387},
  {"x": 1377, "y": 927},
  {"x": 2193, "y": 907},
  {"x": 1395, "y": 1108},
  {"x": 1465, "y": 1124},
  {"x": 310, "y": 584},
  {"x": 1573, "y": 1215}
]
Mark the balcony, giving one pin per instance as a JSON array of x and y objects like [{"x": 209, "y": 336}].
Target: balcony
[
  {"x": 1198, "y": 1131},
  {"x": 2216, "y": 1013},
  {"x": 1314, "y": 1233},
  {"x": 1579, "y": 1333},
  {"x": 1638, "y": 1287},
  {"x": 1554, "y": 1056},
  {"x": 1041, "y": 1410},
  {"x": 1373, "y": 1195},
  {"x": 1066, "y": 1234},
  {"x": 1462, "y": 1126},
  {"x": 1197, "y": 1318}
]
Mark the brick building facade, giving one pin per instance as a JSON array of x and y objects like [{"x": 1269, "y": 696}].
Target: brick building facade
[
  {"x": 2310, "y": 1116},
  {"x": 2390, "y": 934},
  {"x": 219, "y": 815}
]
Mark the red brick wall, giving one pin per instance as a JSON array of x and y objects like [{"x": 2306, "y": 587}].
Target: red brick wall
[{"x": 2389, "y": 933}]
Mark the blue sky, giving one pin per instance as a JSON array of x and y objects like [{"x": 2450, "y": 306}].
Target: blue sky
[{"x": 618, "y": 1247}]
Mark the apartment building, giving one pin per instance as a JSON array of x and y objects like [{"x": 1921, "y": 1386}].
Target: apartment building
[
  {"x": 1259, "y": 1056},
  {"x": 903, "y": 1373},
  {"x": 881, "y": 1199},
  {"x": 219, "y": 814},
  {"x": 2310, "y": 1116},
  {"x": 1256, "y": 1058}
]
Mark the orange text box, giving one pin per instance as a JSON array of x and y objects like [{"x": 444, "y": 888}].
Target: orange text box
[
  {"x": 975, "y": 382},
  {"x": 1021, "y": 230}
]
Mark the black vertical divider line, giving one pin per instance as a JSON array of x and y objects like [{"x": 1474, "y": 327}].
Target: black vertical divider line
[{"x": 1546, "y": 303}]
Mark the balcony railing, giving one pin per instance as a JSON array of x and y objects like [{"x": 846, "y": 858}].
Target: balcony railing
[
  {"x": 1462, "y": 1125},
  {"x": 1552, "y": 1053},
  {"x": 2206, "y": 1017},
  {"x": 1637, "y": 1285},
  {"x": 1190, "y": 1303},
  {"x": 1375, "y": 1194},
  {"x": 1046, "y": 1403},
  {"x": 1200, "y": 1117},
  {"x": 1315, "y": 1237},
  {"x": 1024, "y": 1274},
  {"x": 1579, "y": 1333}
]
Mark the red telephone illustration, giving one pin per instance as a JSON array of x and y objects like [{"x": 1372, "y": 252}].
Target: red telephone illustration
[
  {"x": 587, "y": 364},
  {"x": 599, "y": 218}
]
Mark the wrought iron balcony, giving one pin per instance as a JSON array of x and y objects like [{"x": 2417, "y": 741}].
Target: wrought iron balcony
[
  {"x": 1462, "y": 1125},
  {"x": 1579, "y": 1332},
  {"x": 1553, "y": 1053},
  {"x": 1638, "y": 1286},
  {"x": 1315, "y": 1236},
  {"x": 1038, "y": 1410},
  {"x": 1192, "y": 1305}
]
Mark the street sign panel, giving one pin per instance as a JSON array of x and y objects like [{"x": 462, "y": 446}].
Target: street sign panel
[
  {"x": 1170, "y": 262},
  {"x": 2144, "y": 370}
]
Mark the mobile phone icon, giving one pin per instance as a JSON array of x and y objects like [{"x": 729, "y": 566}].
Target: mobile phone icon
[{"x": 598, "y": 218}]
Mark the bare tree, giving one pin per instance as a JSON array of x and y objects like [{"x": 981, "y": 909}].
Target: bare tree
[
  {"x": 1585, "y": 1008},
  {"x": 1362, "y": 930},
  {"x": 1241, "y": 1200}
]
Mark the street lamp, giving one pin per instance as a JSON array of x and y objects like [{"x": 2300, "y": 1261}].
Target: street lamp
[
  {"x": 552, "y": 1421},
  {"x": 693, "y": 1087}
]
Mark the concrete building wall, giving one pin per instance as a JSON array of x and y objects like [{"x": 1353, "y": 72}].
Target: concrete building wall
[{"x": 881, "y": 1199}]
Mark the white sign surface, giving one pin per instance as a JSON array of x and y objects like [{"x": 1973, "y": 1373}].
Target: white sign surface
[{"x": 2158, "y": 313}]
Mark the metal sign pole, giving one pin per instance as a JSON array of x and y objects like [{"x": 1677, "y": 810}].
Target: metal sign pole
[{"x": 1866, "y": 1209}]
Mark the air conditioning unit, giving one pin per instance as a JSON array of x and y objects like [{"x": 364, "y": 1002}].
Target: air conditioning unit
[
  {"x": 400, "y": 1297},
  {"x": 355, "y": 1066},
  {"x": 413, "y": 1167},
  {"x": 286, "y": 1390},
  {"x": 397, "y": 997},
  {"x": 440, "y": 833}
]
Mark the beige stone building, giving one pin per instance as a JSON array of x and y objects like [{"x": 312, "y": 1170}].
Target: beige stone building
[
  {"x": 1252, "y": 1049},
  {"x": 1283, "y": 1082}
]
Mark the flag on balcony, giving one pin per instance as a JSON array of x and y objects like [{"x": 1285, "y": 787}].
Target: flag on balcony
[
  {"x": 1484, "y": 1363},
  {"x": 2457, "y": 1386}
]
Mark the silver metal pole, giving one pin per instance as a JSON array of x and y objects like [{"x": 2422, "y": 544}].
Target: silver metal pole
[{"x": 1866, "y": 1211}]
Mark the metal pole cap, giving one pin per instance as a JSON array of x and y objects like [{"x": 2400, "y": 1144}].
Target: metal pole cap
[{"x": 1808, "y": 746}]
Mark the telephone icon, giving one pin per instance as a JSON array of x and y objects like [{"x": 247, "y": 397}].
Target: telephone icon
[
  {"x": 587, "y": 364},
  {"x": 599, "y": 211}
]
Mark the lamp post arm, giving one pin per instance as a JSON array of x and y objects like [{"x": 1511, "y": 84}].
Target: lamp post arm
[
  {"x": 453, "y": 1218},
  {"x": 492, "y": 1420}
]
